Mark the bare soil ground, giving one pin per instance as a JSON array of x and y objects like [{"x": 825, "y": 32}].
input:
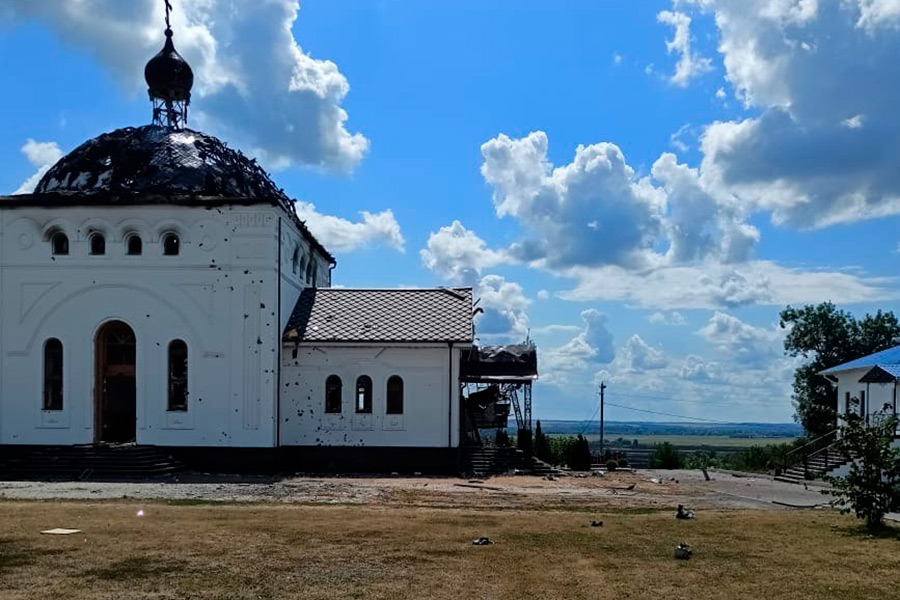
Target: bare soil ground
[
  {"x": 648, "y": 489},
  {"x": 403, "y": 539}
]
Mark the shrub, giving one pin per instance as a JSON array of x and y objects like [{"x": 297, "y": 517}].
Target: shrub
[
  {"x": 541, "y": 444},
  {"x": 872, "y": 488},
  {"x": 611, "y": 465},
  {"x": 623, "y": 463},
  {"x": 579, "y": 454},
  {"x": 665, "y": 456}
]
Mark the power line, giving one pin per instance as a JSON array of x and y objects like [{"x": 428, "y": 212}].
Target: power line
[
  {"x": 656, "y": 412},
  {"x": 591, "y": 420}
]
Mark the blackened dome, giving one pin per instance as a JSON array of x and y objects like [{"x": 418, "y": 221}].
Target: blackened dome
[
  {"x": 158, "y": 161},
  {"x": 168, "y": 75}
]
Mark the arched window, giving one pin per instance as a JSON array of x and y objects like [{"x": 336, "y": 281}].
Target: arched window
[
  {"x": 171, "y": 244},
  {"x": 53, "y": 375},
  {"x": 309, "y": 271},
  {"x": 295, "y": 260},
  {"x": 364, "y": 394},
  {"x": 97, "y": 244},
  {"x": 59, "y": 244},
  {"x": 333, "y": 391},
  {"x": 315, "y": 275},
  {"x": 395, "y": 395},
  {"x": 178, "y": 376},
  {"x": 133, "y": 245}
]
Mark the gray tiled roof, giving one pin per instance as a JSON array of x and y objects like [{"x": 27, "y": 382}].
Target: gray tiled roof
[{"x": 404, "y": 315}]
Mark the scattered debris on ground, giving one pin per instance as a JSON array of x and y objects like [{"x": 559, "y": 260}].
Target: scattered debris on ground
[
  {"x": 683, "y": 551},
  {"x": 684, "y": 513},
  {"x": 482, "y": 541},
  {"x": 596, "y": 523},
  {"x": 61, "y": 531}
]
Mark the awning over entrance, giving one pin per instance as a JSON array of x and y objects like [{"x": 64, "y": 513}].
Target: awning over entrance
[{"x": 881, "y": 374}]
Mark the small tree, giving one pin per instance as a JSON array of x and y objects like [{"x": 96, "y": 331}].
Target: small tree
[
  {"x": 579, "y": 455},
  {"x": 665, "y": 456},
  {"x": 541, "y": 444},
  {"x": 872, "y": 488}
]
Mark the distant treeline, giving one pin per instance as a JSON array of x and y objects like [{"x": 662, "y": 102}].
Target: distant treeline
[{"x": 625, "y": 429}]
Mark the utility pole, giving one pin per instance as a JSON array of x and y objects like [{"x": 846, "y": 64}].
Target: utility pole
[{"x": 602, "y": 394}]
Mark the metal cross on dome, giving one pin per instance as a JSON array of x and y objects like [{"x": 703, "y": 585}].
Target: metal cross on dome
[{"x": 168, "y": 10}]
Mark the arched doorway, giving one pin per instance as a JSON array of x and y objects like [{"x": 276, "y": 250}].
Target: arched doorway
[{"x": 115, "y": 387}]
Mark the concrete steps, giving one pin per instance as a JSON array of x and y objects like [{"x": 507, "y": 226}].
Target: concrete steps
[
  {"x": 817, "y": 467},
  {"x": 484, "y": 461},
  {"x": 114, "y": 462}
]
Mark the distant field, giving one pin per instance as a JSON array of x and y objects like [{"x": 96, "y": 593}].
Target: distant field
[{"x": 714, "y": 441}]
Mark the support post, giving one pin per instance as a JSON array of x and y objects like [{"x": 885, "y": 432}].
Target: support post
[{"x": 602, "y": 394}]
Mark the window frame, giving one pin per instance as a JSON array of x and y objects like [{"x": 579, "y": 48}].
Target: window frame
[
  {"x": 390, "y": 400},
  {"x": 53, "y": 398},
  {"x": 134, "y": 237},
  {"x": 92, "y": 239},
  {"x": 174, "y": 403},
  {"x": 56, "y": 237},
  {"x": 165, "y": 240},
  {"x": 363, "y": 396},
  {"x": 334, "y": 395}
]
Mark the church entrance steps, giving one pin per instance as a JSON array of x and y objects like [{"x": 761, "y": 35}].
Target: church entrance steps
[
  {"x": 101, "y": 462},
  {"x": 489, "y": 460}
]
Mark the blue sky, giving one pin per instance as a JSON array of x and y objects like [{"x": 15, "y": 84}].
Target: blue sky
[{"x": 735, "y": 156}]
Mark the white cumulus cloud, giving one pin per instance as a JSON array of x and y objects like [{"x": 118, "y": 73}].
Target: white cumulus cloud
[
  {"x": 690, "y": 64},
  {"x": 254, "y": 85},
  {"x": 458, "y": 254},
  {"x": 342, "y": 235},
  {"x": 42, "y": 155}
]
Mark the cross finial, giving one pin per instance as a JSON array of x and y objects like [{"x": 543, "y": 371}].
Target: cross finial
[{"x": 168, "y": 9}]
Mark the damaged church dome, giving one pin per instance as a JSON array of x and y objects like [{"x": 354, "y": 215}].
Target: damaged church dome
[
  {"x": 163, "y": 162},
  {"x": 159, "y": 161}
]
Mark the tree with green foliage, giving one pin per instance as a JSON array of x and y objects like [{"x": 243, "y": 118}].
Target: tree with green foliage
[
  {"x": 872, "y": 487},
  {"x": 665, "y": 456},
  {"x": 541, "y": 444},
  {"x": 826, "y": 337},
  {"x": 579, "y": 454}
]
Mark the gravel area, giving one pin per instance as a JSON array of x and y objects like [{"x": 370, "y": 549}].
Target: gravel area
[{"x": 646, "y": 488}]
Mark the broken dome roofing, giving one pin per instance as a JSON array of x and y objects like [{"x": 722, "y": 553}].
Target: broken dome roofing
[
  {"x": 158, "y": 161},
  {"x": 158, "y": 165},
  {"x": 403, "y": 315}
]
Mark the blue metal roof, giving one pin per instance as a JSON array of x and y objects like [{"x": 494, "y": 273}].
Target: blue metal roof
[{"x": 886, "y": 359}]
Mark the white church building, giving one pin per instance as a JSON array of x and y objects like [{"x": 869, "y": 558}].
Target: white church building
[{"x": 158, "y": 288}]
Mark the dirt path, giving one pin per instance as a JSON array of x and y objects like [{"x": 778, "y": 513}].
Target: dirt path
[{"x": 643, "y": 489}]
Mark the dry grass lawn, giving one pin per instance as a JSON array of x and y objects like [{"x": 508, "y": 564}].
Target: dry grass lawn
[{"x": 281, "y": 551}]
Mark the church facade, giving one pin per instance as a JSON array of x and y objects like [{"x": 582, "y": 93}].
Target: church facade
[{"x": 158, "y": 288}]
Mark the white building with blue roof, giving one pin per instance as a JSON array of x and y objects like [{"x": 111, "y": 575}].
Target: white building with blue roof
[{"x": 867, "y": 386}]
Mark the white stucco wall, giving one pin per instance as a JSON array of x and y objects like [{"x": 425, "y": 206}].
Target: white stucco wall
[
  {"x": 877, "y": 395},
  {"x": 427, "y": 420},
  {"x": 220, "y": 295}
]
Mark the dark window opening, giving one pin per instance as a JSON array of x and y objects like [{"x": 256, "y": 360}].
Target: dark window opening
[
  {"x": 134, "y": 246},
  {"x": 364, "y": 394},
  {"x": 333, "y": 392},
  {"x": 98, "y": 244},
  {"x": 59, "y": 244},
  {"x": 171, "y": 245},
  {"x": 394, "y": 395},
  {"x": 295, "y": 260},
  {"x": 53, "y": 375},
  {"x": 178, "y": 376}
]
